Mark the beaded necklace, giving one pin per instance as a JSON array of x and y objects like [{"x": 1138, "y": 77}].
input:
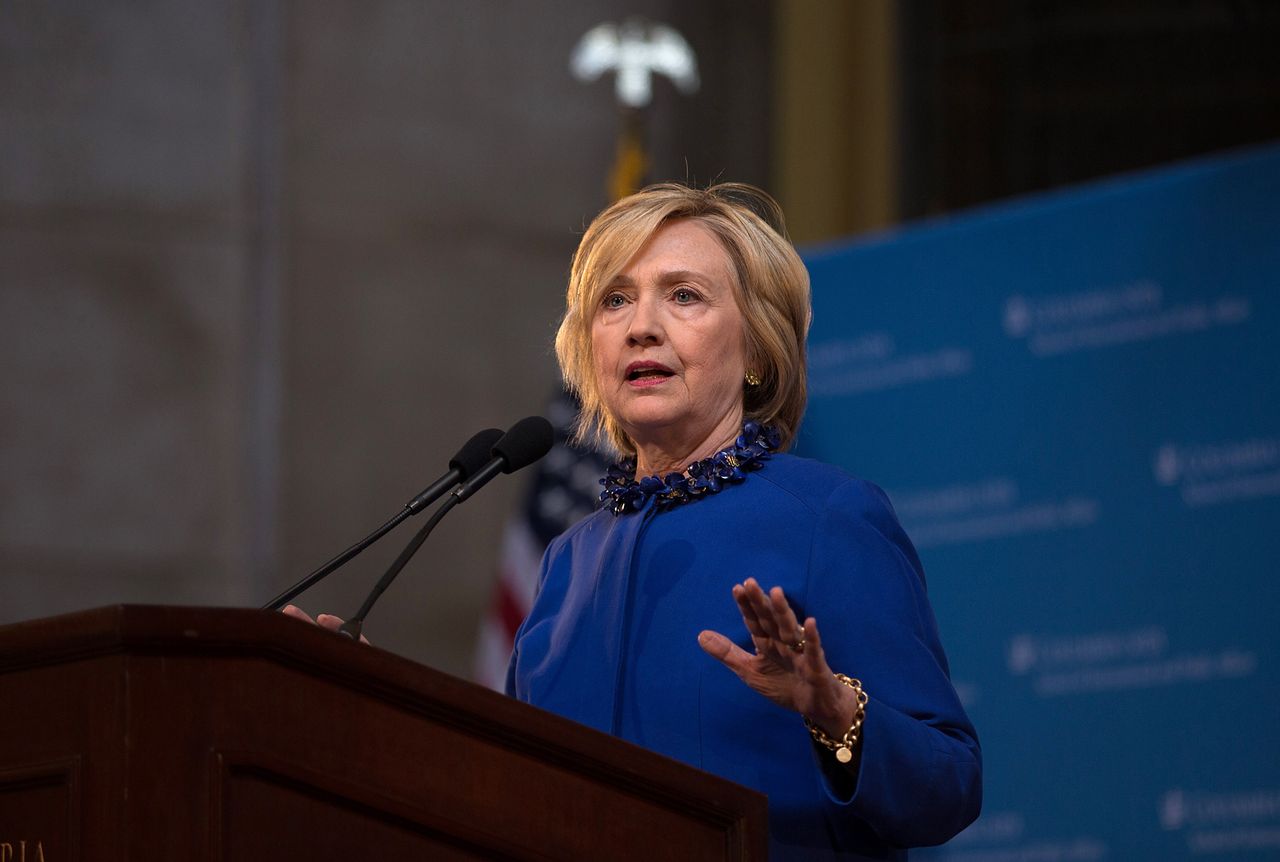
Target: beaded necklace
[{"x": 623, "y": 494}]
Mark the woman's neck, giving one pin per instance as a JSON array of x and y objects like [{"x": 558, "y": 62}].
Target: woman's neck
[{"x": 658, "y": 457}]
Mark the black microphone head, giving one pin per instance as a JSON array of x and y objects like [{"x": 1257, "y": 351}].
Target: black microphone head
[
  {"x": 475, "y": 453},
  {"x": 525, "y": 442}
]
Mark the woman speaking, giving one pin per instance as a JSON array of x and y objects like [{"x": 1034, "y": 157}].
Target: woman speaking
[{"x": 684, "y": 337}]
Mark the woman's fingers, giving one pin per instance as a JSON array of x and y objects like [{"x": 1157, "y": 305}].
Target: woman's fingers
[
  {"x": 815, "y": 659},
  {"x": 775, "y": 615},
  {"x": 762, "y": 608},
  {"x": 324, "y": 621},
  {"x": 784, "y": 618},
  {"x": 333, "y": 624},
  {"x": 750, "y": 619},
  {"x": 297, "y": 613},
  {"x": 748, "y": 611},
  {"x": 770, "y": 617},
  {"x": 796, "y": 679},
  {"x": 725, "y": 651},
  {"x": 329, "y": 621},
  {"x": 834, "y": 705}
]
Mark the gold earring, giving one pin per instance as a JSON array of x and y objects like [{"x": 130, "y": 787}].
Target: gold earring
[{"x": 753, "y": 379}]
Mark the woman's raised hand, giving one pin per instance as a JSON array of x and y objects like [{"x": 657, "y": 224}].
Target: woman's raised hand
[
  {"x": 788, "y": 666},
  {"x": 325, "y": 621}
]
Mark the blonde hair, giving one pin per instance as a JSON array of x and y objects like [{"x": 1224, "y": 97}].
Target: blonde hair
[{"x": 771, "y": 288}]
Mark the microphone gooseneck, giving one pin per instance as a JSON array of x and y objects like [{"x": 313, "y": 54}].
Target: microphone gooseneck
[
  {"x": 472, "y": 457},
  {"x": 525, "y": 442}
]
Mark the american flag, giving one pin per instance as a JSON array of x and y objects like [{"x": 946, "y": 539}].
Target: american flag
[{"x": 564, "y": 490}]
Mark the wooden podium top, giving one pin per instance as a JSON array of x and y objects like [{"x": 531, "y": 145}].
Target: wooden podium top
[{"x": 258, "y": 733}]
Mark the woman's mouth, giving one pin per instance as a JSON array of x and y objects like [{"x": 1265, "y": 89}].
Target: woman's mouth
[{"x": 647, "y": 373}]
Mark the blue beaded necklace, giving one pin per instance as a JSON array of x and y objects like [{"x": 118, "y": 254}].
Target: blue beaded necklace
[{"x": 623, "y": 494}]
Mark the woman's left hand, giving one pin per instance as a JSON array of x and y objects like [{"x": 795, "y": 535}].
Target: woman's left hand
[
  {"x": 789, "y": 666},
  {"x": 324, "y": 621}
]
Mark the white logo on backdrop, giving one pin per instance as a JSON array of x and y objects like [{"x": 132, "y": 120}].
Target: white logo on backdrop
[
  {"x": 1017, "y": 317},
  {"x": 987, "y": 509},
  {"x": 1166, "y": 465},
  {"x": 993, "y": 827},
  {"x": 1021, "y": 654},
  {"x": 1127, "y": 313},
  {"x": 1173, "y": 810},
  {"x": 871, "y": 362},
  {"x": 1223, "y": 822},
  {"x": 1026, "y": 652},
  {"x": 1117, "y": 661},
  {"x": 1223, "y": 472},
  {"x": 1000, "y": 836}
]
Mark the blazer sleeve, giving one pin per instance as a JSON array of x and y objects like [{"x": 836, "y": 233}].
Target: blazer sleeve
[
  {"x": 512, "y": 688},
  {"x": 919, "y": 778}
]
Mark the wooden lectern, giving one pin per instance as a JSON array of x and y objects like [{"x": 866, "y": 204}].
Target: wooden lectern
[{"x": 165, "y": 733}]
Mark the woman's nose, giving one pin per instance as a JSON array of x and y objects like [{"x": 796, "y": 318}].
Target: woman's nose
[{"x": 645, "y": 324}]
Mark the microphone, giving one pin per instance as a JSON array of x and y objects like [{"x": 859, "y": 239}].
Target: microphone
[
  {"x": 525, "y": 442},
  {"x": 470, "y": 458},
  {"x": 473, "y": 456}
]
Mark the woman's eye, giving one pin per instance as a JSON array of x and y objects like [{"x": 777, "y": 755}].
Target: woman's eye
[
  {"x": 614, "y": 300},
  {"x": 684, "y": 296}
]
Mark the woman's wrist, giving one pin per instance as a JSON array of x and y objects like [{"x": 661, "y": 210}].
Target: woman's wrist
[
  {"x": 836, "y": 721},
  {"x": 837, "y": 733}
]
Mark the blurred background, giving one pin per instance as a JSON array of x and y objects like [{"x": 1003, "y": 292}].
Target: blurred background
[{"x": 265, "y": 265}]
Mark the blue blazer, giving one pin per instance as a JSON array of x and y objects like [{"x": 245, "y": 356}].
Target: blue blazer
[{"x": 611, "y": 642}]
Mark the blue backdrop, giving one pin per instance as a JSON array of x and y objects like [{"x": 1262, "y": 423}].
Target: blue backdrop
[{"x": 1072, "y": 401}]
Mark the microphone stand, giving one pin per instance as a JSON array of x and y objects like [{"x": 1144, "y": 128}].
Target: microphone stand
[
  {"x": 473, "y": 455},
  {"x": 352, "y": 627},
  {"x": 324, "y": 571}
]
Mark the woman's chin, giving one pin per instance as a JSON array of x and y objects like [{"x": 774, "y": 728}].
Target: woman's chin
[
  {"x": 653, "y": 420},
  {"x": 659, "y": 404}
]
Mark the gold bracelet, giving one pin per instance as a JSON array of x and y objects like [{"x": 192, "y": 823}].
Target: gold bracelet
[{"x": 844, "y": 746}]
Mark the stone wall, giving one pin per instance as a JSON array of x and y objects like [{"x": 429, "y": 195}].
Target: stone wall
[{"x": 265, "y": 265}]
